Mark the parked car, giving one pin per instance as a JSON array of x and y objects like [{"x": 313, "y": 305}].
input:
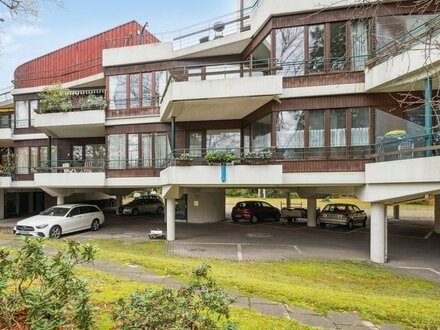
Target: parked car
[
  {"x": 61, "y": 219},
  {"x": 295, "y": 213},
  {"x": 342, "y": 214},
  {"x": 144, "y": 204},
  {"x": 255, "y": 211}
]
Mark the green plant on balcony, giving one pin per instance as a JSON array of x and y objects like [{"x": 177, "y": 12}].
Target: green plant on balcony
[
  {"x": 261, "y": 157},
  {"x": 94, "y": 102},
  {"x": 8, "y": 168},
  {"x": 221, "y": 157},
  {"x": 55, "y": 97},
  {"x": 184, "y": 160}
]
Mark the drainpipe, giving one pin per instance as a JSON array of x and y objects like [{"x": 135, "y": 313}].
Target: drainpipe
[
  {"x": 49, "y": 152},
  {"x": 428, "y": 116},
  {"x": 173, "y": 136}
]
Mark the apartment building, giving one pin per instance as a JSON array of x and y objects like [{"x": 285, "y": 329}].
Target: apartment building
[{"x": 312, "y": 97}]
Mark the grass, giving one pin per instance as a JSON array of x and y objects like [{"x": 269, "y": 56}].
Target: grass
[{"x": 378, "y": 294}]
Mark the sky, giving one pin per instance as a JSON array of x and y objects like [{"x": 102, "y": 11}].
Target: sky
[{"x": 56, "y": 27}]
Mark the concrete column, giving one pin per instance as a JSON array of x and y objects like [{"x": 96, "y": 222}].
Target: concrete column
[
  {"x": 118, "y": 203},
  {"x": 311, "y": 212},
  {"x": 2, "y": 204},
  {"x": 396, "y": 212},
  {"x": 171, "y": 219},
  {"x": 437, "y": 214},
  {"x": 60, "y": 200},
  {"x": 378, "y": 234},
  {"x": 288, "y": 200}
]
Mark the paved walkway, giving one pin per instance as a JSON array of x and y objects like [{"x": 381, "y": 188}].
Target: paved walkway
[{"x": 333, "y": 320}]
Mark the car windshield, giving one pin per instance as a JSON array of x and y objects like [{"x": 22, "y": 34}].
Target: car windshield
[{"x": 55, "y": 211}]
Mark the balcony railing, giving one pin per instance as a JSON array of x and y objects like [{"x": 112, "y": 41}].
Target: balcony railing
[
  {"x": 70, "y": 166},
  {"x": 212, "y": 29}
]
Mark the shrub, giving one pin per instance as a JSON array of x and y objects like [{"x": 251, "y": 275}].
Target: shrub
[
  {"x": 258, "y": 155},
  {"x": 198, "y": 305},
  {"x": 185, "y": 157},
  {"x": 220, "y": 156},
  {"x": 41, "y": 292},
  {"x": 55, "y": 97}
]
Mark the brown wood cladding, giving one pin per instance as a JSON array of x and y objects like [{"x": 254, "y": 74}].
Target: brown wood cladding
[
  {"x": 324, "y": 165},
  {"x": 133, "y": 112},
  {"x": 60, "y": 142},
  {"x": 168, "y": 65},
  {"x": 384, "y": 101},
  {"x": 136, "y": 172},
  {"x": 324, "y": 79},
  {"x": 27, "y": 130},
  {"x": 140, "y": 128}
]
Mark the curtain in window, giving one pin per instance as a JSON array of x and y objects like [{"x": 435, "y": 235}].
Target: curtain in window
[
  {"x": 33, "y": 106},
  {"x": 359, "y": 44},
  {"x": 360, "y": 127},
  {"x": 161, "y": 149},
  {"x": 147, "y": 150},
  {"x": 133, "y": 150},
  {"x": 290, "y": 129},
  {"x": 117, "y": 151},
  {"x": 43, "y": 156},
  {"x": 22, "y": 160},
  {"x": 21, "y": 114},
  {"x": 195, "y": 144},
  {"x": 34, "y": 158}
]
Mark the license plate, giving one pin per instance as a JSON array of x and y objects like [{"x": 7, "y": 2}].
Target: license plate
[{"x": 22, "y": 232}]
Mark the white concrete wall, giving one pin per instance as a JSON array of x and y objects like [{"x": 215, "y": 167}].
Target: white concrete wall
[
  {"x": 206, "y": 205},
  {"x": 69, "y": 180},
  {"x": 70, "y": 118}
]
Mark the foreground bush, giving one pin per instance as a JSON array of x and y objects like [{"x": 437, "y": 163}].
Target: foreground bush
[
  {"x": 41, "y": 292},
  {"x": 199, "y": 305}
]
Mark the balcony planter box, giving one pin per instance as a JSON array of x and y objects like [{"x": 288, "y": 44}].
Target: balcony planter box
[
  {"x": 257, "y": 161},
  {"x": 219, "y": 157},
  {"x": 183, "y": 162}
]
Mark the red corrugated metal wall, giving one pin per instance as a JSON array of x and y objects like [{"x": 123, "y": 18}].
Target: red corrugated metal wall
[{"x": 78, "y": 60}]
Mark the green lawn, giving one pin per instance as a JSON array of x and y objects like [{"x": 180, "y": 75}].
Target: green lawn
[{"x": 377, "y": 293}]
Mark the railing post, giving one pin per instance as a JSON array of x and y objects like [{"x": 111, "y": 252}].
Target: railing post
[
  {"x": 428, "y": 116},
  {"x": 173, "y": 136}
]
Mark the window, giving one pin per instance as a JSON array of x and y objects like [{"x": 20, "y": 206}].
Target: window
[
  {"x": 261, "y": 137},
  {"x": 360, "y": 127},
  {"x": 261, "y": 56},
  {"x": 359, "y": 44},
  {"x": 43, "y": 155},
  {"x": 247, "y": 138},
  {"x": 21, "y": 114},
  {"x": 75, "y": 211},
  {"x": 195, "y": 144},
  {"x": 316, "y": 48},
  {"x": 117, "y": 151},
  {"x": 223, "y": 139},
  {"x": 134, "y": 91},
  {"x": 316, "y": 132},
  {"x": 22, "y": 160},
  {"x": 133, "y": 150},
  {"x": 34, "y": 158},
  {"x": 33, "y": 106},
  {"x": 147, "y": 150},
  {"x": 290, "y": 50},
  {"x": 264, "y": 204},
  {"x": 338, "y": 125},
  {"x": 147, "y": 85},
  {"x": 338, "y": 35},
  {"x": 290, "y": 133},
  {"x": 161, "y": 82},
  {"x": 162, "y": 149},
  {"x": 117, "y": 92}
]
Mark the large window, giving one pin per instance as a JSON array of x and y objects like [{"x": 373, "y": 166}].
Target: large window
[
  {"x": 261, "y": 137},
  {"x": 161, "y": 82},
  {"x": 316, "y": 48},
  {"x": 195, "y": 144},
  {"x": 134, "y": 91},
  {"x": 22, "y": 160},
  {"x": 316, "y": 133},
  {"x": 147, "y": 150},
  {"x": 133, "y": 150},
  {"x": 290, "y": 133},
  {"x": 290, "y": 50},
  {"x": 21, "y": 114},
  {"x": 359, "y": 44},
  {"x": 147, "y": 84},
  {"x": 223, "y": 139},
  {"x": 117, "y": 151},
  {"x": 338, "y": 124},
  {"x": 338, "y": 51},
  {"x": 360, "y": 127},
  {"x": 162, "y": 149},
  {"x": 118, "y": 92}
]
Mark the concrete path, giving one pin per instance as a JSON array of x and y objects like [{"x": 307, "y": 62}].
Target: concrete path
[{"x": 333, "y": 320}]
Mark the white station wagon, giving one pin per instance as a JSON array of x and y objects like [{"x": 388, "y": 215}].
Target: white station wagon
[{"x": 61, "y": 219}]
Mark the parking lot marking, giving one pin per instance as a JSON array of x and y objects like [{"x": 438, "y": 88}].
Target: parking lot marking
[
  {"x": 239, "y": 254},
  {"x": 429, "y": 234},
  {"x": 297, "y": 249},
  {"x": 420, "y": 268}
]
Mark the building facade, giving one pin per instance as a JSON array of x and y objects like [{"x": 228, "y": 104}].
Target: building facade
[{"x": 311, "y": 97}]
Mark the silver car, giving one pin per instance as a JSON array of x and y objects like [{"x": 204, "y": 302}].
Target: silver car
[{"x": 142, "y": 205}]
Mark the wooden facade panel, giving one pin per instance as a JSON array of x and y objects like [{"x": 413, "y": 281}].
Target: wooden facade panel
[
  {"x": 130, "y": 173},
  {"x": 324, "y": 165},
  {"x": 133, "y": 112},
  {"x": 338, "y": 78},
  {"x": 140, "y": 128}
]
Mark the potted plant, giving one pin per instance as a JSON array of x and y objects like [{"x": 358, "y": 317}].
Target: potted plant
[
  {"x": 9, "y": 163},
  {"x": 55, "y": 98},
  {"x": 258, "y": 158},
  {"x": 184, "y": 160},
  {"x": 219, "y": 157},
  {"x": 93, "y": 102}
]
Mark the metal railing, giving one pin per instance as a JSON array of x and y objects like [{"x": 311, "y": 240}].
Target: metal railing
[
  {"x": 202, "y": 32},
  {"x": 6, "y": 93},
  {"x": 70, "y": 166}
]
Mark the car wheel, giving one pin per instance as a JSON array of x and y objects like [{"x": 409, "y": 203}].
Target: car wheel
[
  {"x": 55, "y": 232},
  {"x": 95, "y": 225},
  {"x": 254, "y": 219},
  {"x": 350, "y": 224},
  {"x": 159, "y": 210},
  {"x": 135, "y": 212},
  {"x": 364, "y": 223}
]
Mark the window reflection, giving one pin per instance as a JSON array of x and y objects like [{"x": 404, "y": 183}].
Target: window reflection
[
  {"x": 117, "y": 92},
  {"x": 290, "y": 133},
  {"x": 290, "y": 50},
  {"x": 316, "y": 48}
]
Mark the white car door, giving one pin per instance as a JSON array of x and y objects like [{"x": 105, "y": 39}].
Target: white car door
[
  {"x": 70, "y": 222},
  {"x": 77, "y": 219},
  {"x": 86, "y": 217}
]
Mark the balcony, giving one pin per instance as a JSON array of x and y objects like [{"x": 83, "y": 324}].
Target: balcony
[
  {"x": 219, "y": 92},
  {"x": 80, "y": 116}
]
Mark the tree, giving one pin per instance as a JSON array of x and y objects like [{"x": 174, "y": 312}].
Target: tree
[{"x": 26, "y": 9}]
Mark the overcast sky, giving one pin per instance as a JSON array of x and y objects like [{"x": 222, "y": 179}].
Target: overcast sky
[{"x": 21, "y": 41}]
